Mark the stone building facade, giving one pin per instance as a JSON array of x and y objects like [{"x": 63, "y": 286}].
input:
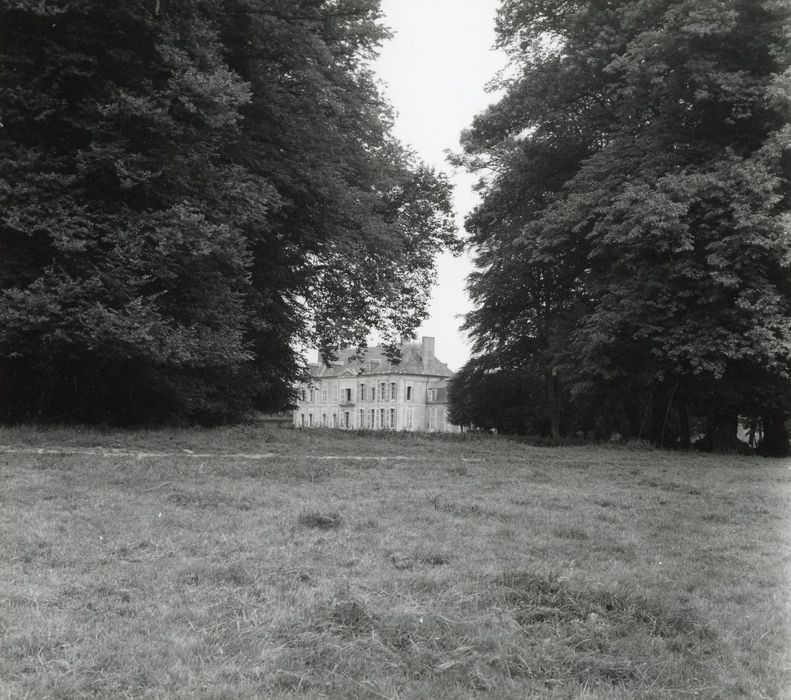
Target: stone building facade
[{"x": 375, "y": 394}]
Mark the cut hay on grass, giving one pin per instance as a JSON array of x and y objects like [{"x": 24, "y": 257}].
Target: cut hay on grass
[{"x": 469, "y": 567}]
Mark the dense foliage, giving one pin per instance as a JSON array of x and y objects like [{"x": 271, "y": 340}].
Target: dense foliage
[
  {"x": 508, "y": 401},
  {"x": 190, "y": 190},
  {"x": 633, "y": 236}
]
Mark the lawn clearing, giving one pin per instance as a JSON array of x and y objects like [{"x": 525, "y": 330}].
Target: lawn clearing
[{"x": 476, "y": 567}]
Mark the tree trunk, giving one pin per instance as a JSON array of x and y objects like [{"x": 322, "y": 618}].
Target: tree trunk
[
  {"x": 723, "y": 432},
  {"x": 632, "y": 409},
  {"x": 6, "y": 390},
  {"x": 721, "y": 436},
  {"x": 775, "y": 437},
  {"x": 684, "y": 438},
  {"x": 554, "y": 404},
  {"x": 656, "y": 425}
]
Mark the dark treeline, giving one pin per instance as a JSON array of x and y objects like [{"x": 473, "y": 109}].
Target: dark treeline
[
  {"x": 632, "y": 241},
  {"x": 190, "y": 190}
]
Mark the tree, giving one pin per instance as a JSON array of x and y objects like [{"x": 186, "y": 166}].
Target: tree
[
  {"x": 188, "y": 191},
  {"x": 121, "y": 276},
  {"x": 362, "y": 218},
  {"x": 644, "y": 149},
  {"x": 510, "y": 401}
]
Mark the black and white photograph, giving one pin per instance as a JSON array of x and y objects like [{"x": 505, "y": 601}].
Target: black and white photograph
[{"x": 395, "y": 349}]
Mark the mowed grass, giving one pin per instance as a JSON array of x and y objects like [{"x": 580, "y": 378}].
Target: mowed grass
[{"x": 403, "y": 567}]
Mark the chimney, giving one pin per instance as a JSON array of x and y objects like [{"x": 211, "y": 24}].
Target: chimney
[{"x": 428, "y": 351}]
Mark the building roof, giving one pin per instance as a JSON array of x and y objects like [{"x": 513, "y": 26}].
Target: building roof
[{"x": 375, "y": 361}]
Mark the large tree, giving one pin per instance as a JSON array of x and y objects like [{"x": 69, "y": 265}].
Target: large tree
[
  {"x": 511, "y": 401},
  {"x": 189, "y": 191},
  {"x": 638, "y": 199}
]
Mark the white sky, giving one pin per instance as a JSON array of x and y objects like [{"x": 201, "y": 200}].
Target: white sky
[{"x": 435, "y": 69}]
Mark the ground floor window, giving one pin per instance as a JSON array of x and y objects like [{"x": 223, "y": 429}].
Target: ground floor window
[
  {"x": 310, "y": 419},
  {"x": 324, "y": 419},
  {"x": 346, "y": 420},
  {"x": 362, "y": 419},
  {"x": 334, "y": 420},
  {"x": 392, "y": 419},
  {"x": 381, "y": 418},
  {"x": 302, "y": 419},
  {"x": 409, "y": 419},
  {"x": 372, "y": 418}
]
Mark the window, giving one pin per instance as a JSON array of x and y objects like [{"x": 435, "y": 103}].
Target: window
[
  {"x": 310, "y": 419},
  {"x": 301, "y": 394},
  {"x": 347, "y": 420},
  {"x": 409, "y": 418},
  {"x": 362, "y": 392},
  {"x": 431, "y": 394},
  {"x": 362, "y": 419},
  {"x": 383, "y": 392},
  {"x": 381, "y": 418},
  {"x": 324, "y": 419},
  {"x": 324, "y": 394},
  {"x": 409, "y": 392},
  {"x": 334, "y": 420},
  {"x": 334, "y": 393},
  {"x": 312, "y": 395},
  {"x": 302, "y": 419},
  {"x": 393, "y": 391},
  {"x": 392, "y": 419},
  {"x": 432, "y": 422},
  {"x": 372, "y": 418},
  {"x": 348, "y": 396},
  {"x": 373, "y": 393}
]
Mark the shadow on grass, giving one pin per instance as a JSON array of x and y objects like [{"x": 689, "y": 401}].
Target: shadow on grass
[
  {"x": 545, "y": 633},
  {"x": 320, "y": 521}
]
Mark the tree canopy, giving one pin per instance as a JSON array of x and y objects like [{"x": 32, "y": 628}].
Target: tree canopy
[
  {"x": 190, "y": 190},
  {"x": 633, "y": 235}
]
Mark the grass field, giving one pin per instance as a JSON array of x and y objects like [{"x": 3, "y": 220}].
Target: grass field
[{"x": 252, "y": 563}]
